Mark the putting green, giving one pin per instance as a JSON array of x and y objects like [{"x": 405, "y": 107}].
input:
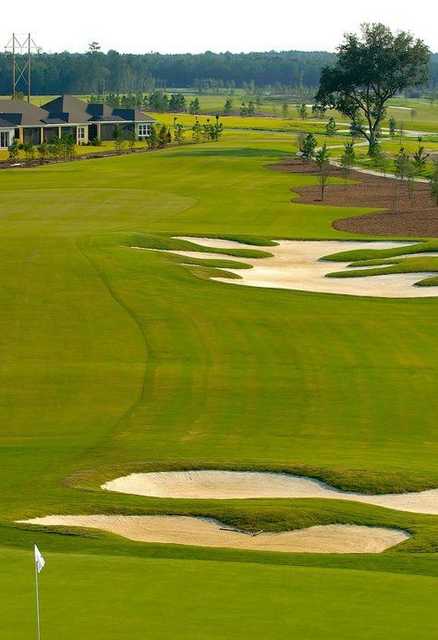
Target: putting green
[{"x": 110, "y": 597}]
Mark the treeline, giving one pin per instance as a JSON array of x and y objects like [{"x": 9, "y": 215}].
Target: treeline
[{"x": 97, "y": 72}]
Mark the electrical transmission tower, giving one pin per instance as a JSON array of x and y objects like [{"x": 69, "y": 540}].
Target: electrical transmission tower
[{"x": 21, "y": 47}]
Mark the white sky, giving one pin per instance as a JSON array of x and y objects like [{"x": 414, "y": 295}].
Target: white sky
[{"x": 172, "y": 26}]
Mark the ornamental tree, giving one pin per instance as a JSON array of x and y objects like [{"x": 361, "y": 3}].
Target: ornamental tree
[{"x": 372, "y": 68}]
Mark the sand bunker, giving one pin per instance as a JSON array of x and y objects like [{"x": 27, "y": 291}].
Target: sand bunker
[
  {"x": 210, "y": 533},
  {"x": 221, "y": 485},
  {"x": 297, "y": 265}
]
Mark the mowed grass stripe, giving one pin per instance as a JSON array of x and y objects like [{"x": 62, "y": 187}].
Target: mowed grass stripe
[{"x": 115, "y": 359}]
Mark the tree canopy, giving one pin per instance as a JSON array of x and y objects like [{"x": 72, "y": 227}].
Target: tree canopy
[{"x": 370, "y": 69}]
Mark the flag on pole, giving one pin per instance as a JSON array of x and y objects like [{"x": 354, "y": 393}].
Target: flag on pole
[{"x": 39, "y": 560}]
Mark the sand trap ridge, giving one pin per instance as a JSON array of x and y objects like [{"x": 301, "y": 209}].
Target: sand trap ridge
[
  {"x": 220, "y": 485},
  {"x": 210, "y": 533},
  {"x": 297, "y": 265}
]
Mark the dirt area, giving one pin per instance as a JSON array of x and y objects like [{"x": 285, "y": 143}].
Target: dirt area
[
  {"x": 222, "y": 485},
  {"x": 211, "y": 533},
  {"x": 415, "y": 216}
]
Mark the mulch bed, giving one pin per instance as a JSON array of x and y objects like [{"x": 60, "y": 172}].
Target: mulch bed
[
  {"x": 93, "y": 155},
  {"x": 404, "y": 215}
]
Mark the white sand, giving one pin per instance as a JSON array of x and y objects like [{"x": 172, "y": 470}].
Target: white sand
[
  {"x": 223, "y": 244},
  {"x": 221, "y": 485},
  {"x": 379, "y": 174},
  {"x": 297, "y": 265},
  {"x": 210, "y": 533}
]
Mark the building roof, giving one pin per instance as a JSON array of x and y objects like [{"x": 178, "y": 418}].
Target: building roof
[
  {"x": 68, "y": 107},
  {"x": 21, "y": 113},
  {"x": 73, "y": 110},
  {"x": 6, "y": 124},
  {"x": 65, "y": 110}
]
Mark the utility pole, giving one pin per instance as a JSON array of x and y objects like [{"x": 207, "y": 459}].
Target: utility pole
[
  {"x": 21, "y": 48},
  {"x": 14, "y": 66},
  {"x": 29, "y": 67}
]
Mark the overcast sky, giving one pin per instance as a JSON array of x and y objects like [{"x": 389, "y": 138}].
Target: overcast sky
[{"x": 193, "y": 26}]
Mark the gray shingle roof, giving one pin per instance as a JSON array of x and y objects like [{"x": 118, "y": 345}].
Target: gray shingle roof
[
  {"x": 55, "y": 120},
  {"x": 22, "y": 113},
  {"x": 65, "y": 110},
  {"x": 133, "y": 115},
  {"x": 6, "y": 124}
]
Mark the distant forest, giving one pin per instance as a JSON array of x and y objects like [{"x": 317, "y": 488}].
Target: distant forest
[{"x": 97, "y": 72}]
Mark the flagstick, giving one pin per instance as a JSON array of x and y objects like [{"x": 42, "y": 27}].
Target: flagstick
[{"x": 37, "y": 602}]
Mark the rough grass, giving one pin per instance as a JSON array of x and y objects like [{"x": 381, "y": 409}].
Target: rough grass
[
  {"x": 393, "y": 266},
  {"x": 387, "y": 261}
]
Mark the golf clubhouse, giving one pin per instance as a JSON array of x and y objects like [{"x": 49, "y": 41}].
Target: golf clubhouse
[{"x": 67, "y": 115}]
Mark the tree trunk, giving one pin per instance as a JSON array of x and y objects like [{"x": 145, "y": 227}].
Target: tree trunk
[{"x": 372, "y": 140}]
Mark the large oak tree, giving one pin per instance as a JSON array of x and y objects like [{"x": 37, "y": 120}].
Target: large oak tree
[{"x": 370, "y": 69}]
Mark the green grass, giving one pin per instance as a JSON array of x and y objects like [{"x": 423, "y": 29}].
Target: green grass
[
  {"x": 115, "y": 359},
  {"x": 109, "y": 597},
  {"x": 254, "y": 123},
  {"x": 390, "y": 266},
  {"x": 389, "y": 261}
]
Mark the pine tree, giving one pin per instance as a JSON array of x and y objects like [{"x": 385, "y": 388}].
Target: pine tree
[
  {"x": 419, "y": 159},
  {"x": 302, "y": 111},
  {"x": 118, "y": 138},
  {"x": 330, "y": 127},
  {"x": 307, "y": 146},
  {"x": 152, "y": 139},
  {"x": 228, "y": 107},
  {"x": 322, "y": 160},
  {"x": 194, "y": 106},
  {"x": 196, "y": 131},
  {"x": 179, "y": 133},
  {"x": 162, "y": 137},
  {"x": 392, "y": 126},
  {"x": 434, "y": 184},
  {"x": 348, "y": 158}
]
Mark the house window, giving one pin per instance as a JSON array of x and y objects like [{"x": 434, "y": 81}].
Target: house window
[
  {"x": 81, "y": 137},
  {"x": 4, "y": 139},
  {"x": 143, "y": 131}
]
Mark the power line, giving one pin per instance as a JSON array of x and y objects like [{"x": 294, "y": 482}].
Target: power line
[{"x": 21, "y": 47}]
